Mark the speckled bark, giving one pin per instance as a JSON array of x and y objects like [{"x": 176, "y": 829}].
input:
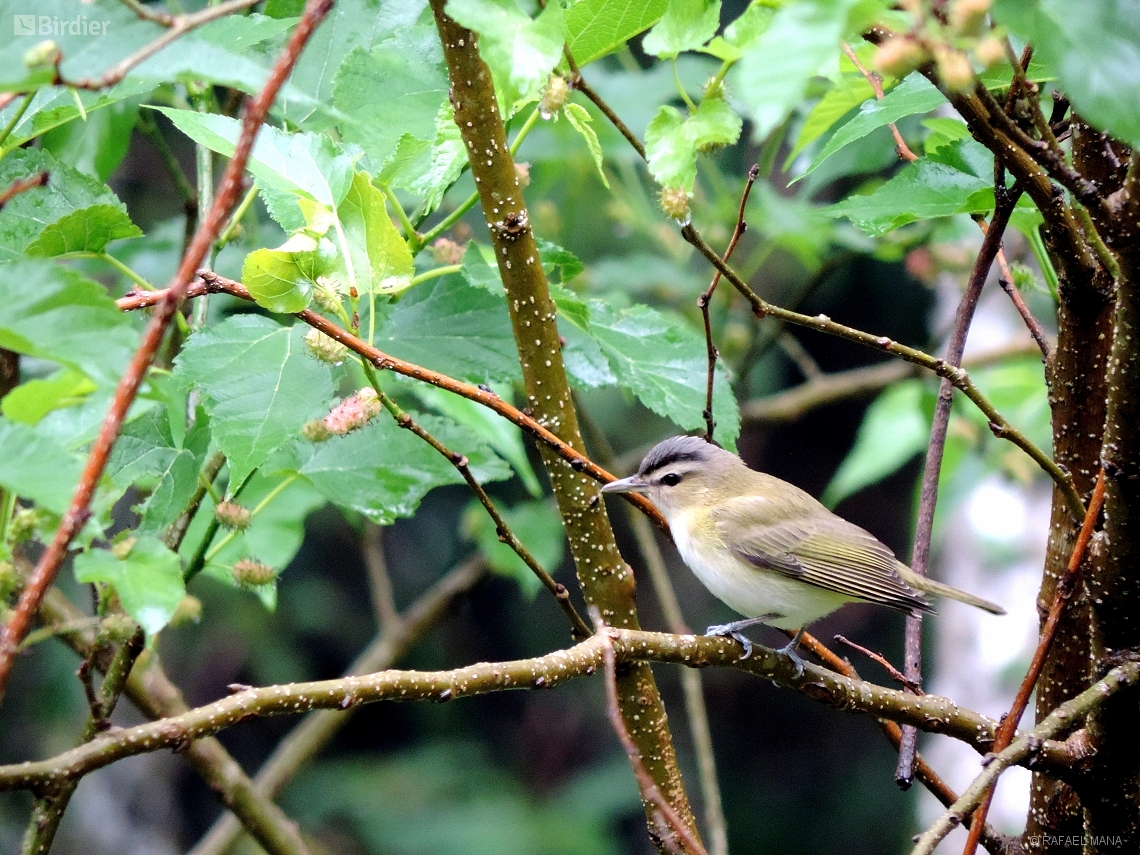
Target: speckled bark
[{"x": 607, "y": 582}]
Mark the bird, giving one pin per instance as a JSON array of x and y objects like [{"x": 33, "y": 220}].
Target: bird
[{"x": 768, "y": 549}]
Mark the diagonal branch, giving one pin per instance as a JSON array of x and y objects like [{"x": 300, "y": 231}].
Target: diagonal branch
[{"x": 78, "y": 512}]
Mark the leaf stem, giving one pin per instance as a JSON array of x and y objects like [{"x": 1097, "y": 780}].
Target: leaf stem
[
  {"x": 436, "y": 273},
  {"x": 15, "y": 120}
]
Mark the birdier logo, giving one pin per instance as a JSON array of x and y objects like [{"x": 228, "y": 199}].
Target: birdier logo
[{"x": 53, "y": 25}]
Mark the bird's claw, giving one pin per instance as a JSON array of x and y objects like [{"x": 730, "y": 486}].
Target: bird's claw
[
  {"x": 789, "y": 650},
  {"x": 728, "y": 630}
]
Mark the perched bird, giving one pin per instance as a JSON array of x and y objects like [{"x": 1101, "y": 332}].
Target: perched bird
[{"x": 768, "y": 549}]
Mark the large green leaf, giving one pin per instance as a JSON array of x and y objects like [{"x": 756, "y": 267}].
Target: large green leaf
[
  {"x": 310, "y": 165},
  {"x": 396, "y": 89},
  {"x": 447, "y": 325},
  {"x": 672, "y": 141},
  {"x": 97, "y": 142},
  {"x": 916, "y": 94},
  {"x": 148, "y": 579},
  {"x": 282, "y": 279},
  {"x": 893, "y": 431},
  {"x": 55, "y": 106},
  {"x": 1094, "y": 51},
  {"x": 86, "y": 230},
  {"x": 383, "y": 471},
  {"x": 686, "y": 25},
  {"x": 381, "y": 259},
  {"x": 33, "y": 399},
  {"x": 260, "y": 384},
  {"x": 520, "y": 51},
  {"x": 773, "y": 73},
  {"x": 68, "y": 192},
  {"x": 597, "y": 27},
  {"x": 36, "y": 467},
  {"x": 663, "y": 361},
  {"x": 53, "y": 313}
]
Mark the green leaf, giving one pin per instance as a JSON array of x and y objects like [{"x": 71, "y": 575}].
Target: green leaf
[
  {"x": 37, "y": 467},
  {"x": 55, "y": 106},
  {"x": 663, "y": 361},
  {"x": 282, "y": 279},
  {"x": 916, "y": 94},
  {"x": 396, "y": 89},
  {"x": 31, "y": 401},
  {"x": 521, "y": 52},
  {"x": 585, "y": 363},
  {"x": 380, "y": 257},
  {"x": 672, "y": 142},
  {"x": 742, "y": 33},
  {"x": 260, "y": 384},
  {"x": 1095, "y": 55},
  {"x": 580, "y": 119},
  {"x": 537, "y": 526},
  {"x": 438, "y": 165},
  {"x": 687, "y": 25},
  {"x": 452, "y": 327},
  {"x": 922, "y": 190},
  {"x": 893, "y": 431},
  {"x": 53, "y": 313},
  {"x": 503, "y": 436},
  {"x": 86, "y": 230},
  {"x": 384, "y": 471},
  {"x": 310, "y": 165},
  {"x": 25, "y": 217},
  {"x": 97, "y": 144},
  {"x": 851, "y": 91},
  {"x": 148, "y": 580},
  {"x": 479, "y": 271},
  {"x": 773, "y": 74},
  {"x": 595, "y": 28}
]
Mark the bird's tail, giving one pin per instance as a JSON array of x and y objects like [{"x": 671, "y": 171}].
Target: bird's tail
[{"x": 929, "y": 586}]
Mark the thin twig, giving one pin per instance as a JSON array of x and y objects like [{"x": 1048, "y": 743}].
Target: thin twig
[
  {"x": 579, "y": 628},
  {"x": 582, "y": 86},
  {"x": 78, "y": 512},
  {"x": 174, "y": 535},
  {"x": 876, "y": 82},
  {"x": 895, "y": 673},
  {"x": 379, "y": 582},
  {"x": 650, "y": 793},
  {"x": 706, "y": 298},
  {"x": 1061, "y": 596},
  {"x": 22, "y": 185},
  {"x": 212, "y": 283},
  {"x": 959, "y": 379},
  {"x": 1031, "y": 323},
  {"x": 928, "y": 498},
  {"x": 148, "y": 14}
]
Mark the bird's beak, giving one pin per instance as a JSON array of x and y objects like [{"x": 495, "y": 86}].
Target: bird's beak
[{"x": 632, "y": 484}]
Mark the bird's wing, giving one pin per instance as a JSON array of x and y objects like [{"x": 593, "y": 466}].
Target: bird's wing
[{"x": 820, "y": 549}]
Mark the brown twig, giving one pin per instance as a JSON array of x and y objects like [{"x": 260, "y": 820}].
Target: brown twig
[
  {"x": 895, "y": 673},
  {"x": 212, "y": 283},
  {"x": 650, "y": 792},
  {"x": 1005, "y": 200},
  {"x": 1064, "y": 590},
  {"x": 23, "y": 185},
  {"x": 579, "y": 628},
  {"x": 579, "y": 83},
  {"x": 379, "y": 582},
  {"x": 876, "y": 82},
  {"x": 148, "y": 14},
  {"x": 78, "y": 512},
  {"x": 705, "y": 298}
]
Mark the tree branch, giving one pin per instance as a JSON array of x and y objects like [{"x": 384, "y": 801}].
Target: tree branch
[{"x": 78, "y": 512}]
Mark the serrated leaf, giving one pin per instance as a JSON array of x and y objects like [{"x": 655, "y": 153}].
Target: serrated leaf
[
  {"x": 537, "y": 526},
  {"x": 310, "y": 165},
  {"x": 54, "y": 313},
  {"x": 916, "y": 94},
  {"x": 148, "y": 580},
  {"x": 772, "y": 75},
  {"x": 447, "y": 325},
  {"x": 428, "y": 169},
  {"x": 585, "y": 363},
  {"x": 892, "y": 432},
  {"x": 55, "y": 106},
  {"x": 68, "y": 192},
  {"x": 686, "y": 25},
  {"x": 479, "y": 272},
  {"x": 260, "y": 383},
  {"x": 37, "y": 467},
  {"x": 672, "y": 141},
  {"x": 384, "y": 471},
  {"x": 851, "y": 91},
  {"x": 580, "y": 119},
  {"x": 521, "y": 52},
  {"x": 922, "y": 190},
  {"x": 395, "y": 89},
  {"x": 663, "y": 361},
  {"x": 31, "y": 401},
  {"x": 594, "y": 28},
  {"x": 381, "y": 259},
  {"x": 558, "y": 263},
  {"x": 1095, "y": 55},
  {"x": 87, "y": 230},
  {"x": 282, "y": 279}
]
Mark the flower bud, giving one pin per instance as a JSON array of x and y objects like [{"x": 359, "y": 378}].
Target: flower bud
[
  {"x": 674, "y": 201},
  {"x": 968, "y": 17},
  {"x": 522, "y": 174},
  {"x": 316, "y": 431},
  {"x": 353, "y": 412},
  {"x": 553, "y": 96},
  {"x": 900, "y": 56},
  {"x": 251, "y": 573},
  {"x": 1024, "y": 279},
  {"x": 324, "y": 348},
  {"x": 989, "y": 52},
  {"x": 232, "y": 515},
  {"x": 326, "y": 296},
  {"x": 118, "y": 628},
  {"x": 42, "y": 55},
  {"x": 954, "y": 69},
  {"x": 189, "y": 610},
  {"x": 447, "y": 251}
]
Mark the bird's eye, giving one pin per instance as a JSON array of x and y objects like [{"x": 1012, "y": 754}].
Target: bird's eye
[{"x": 671, "y": 480}]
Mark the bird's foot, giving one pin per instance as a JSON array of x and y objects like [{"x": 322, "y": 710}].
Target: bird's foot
[
  {"x": 789, "y": 650},
  {"x": 732, "y": 630}
]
